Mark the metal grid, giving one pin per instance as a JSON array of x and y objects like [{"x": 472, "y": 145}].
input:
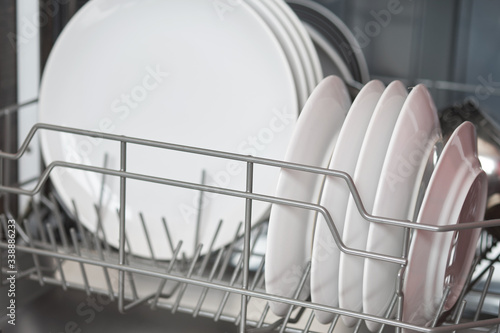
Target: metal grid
[{"x": 222, "y": 275}]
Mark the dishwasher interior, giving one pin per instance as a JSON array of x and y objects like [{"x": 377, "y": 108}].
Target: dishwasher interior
[{"x": 69, "y": 279}]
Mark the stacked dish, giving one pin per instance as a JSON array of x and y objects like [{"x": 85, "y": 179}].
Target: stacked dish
[
  {"x": 388, "y": 143},
  {"x": 229, "y": 76}
]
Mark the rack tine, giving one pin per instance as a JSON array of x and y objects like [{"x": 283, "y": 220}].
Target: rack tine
[
  {"x": 309, "y": 323},
  {"x": 210, "y": 279},
  {"x": 82, "y": 268},
  {"x": 236, "y": 272},
  {"x": 169, "y": 269},
  {"x": 38, "y": 221},
  {"x": 256, "y": 279},
  {"x": 358, "y": 326},
  {"x": 58, "y": 217},
  {"x": 498, "y": 326},
  {"x": 131, "y": 281},
  {"x": 441, "y": 306},
  {"x": 263, "y": 316},
  {"x": 204, "y": 263},
  {"x": 103, "y": 182},
  {"x": 148, "y": 239},
  {"x": 35, "y": 257},
  {"x": 296, "y": 295},
  {"x": 460, "y": 313},
  {"x": 101, "y": 228},
  {"x": 226, "y": 295},
  {"x": 229, "y": 253},
  {"x": 389, "y": 311},
  {"x": 169, "y": 238},
  {"x": 52, "y": 239},
  {"x": 333, "y": 324},
  {"x": 483, "y": 293},
  {"x": 467, "y": 283},
  {"x": 104, "y": 269},
  {"x": 190, "y": 272},
  {"x": 81, "y": 231},
  {"x": 200, "y": 210}
]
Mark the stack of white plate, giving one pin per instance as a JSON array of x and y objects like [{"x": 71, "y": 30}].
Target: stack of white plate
[
  {"x": 387, "y": 141},
  {"x": 223, "y": 75}
]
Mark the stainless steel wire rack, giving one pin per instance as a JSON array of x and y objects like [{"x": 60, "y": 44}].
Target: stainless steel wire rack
[{"x": 220, "y": 285}]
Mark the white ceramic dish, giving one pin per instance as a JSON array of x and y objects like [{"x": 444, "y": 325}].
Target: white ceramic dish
[
  {"x": 325, "y": 253},
  {"x": 291, "y": 229},
  {"x": 296, "y": 41},
  {"x": 366, "y": 178},
  {"x": 198, "y": 87},
  {"x": 336, "y": 22},
  {"x": 456, "y": 194},
  {"x": 416, "y": 132},
  {"x": 331, "y": 61},
  {"x": 283, "y": 36},
  {"x": 304, "y": 36}
]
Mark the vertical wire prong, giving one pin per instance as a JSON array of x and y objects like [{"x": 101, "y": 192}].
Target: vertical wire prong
[
  {"x": 59, "y": 222},
  {"x": 309, "y": 323},
  {"x": 190, "y": 272},
  {"x": 38, "y": 221},
  {"x": 169, "y": 238},
  {"x": 82, "y": 268},
  {"x": 467, "y": 285},
  {"x": 52, "y": 239},
  {"x": 460, "y": 312},
  {"x": 444, "y": 298},
  {"x": 35, "y": 257},
  {"x": 81, "y": 231},
  {"x": 333, "y": 324},
  {"x": 389, "y": 310},
  {"x": 200, "y": 212},
  {"x": 100, "y": 227},
  {"x": 210, "y": 279},
  {"x": 104, "y": 269},
  {"x": 169, "y": 269},
  {"x": 483, "y": 293},
  {"x": 296, "y": 294},
  {"x": 358, "y": 325},
  {"x": 148, "y": 239},
  {"x": 204, "y": 263},
  {"x": 229, "y": 253}
]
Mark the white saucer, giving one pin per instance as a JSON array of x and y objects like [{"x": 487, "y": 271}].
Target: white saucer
[
  {"x": 290, "y": 232},
  {"x": 456, "y": 194},
  {"x": 325, "y": 253}
]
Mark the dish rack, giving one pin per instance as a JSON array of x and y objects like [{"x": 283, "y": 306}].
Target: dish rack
[{"x": 235, "y": 289}]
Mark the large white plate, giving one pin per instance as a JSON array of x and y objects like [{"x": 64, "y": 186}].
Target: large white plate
[
  {"x": 304, "y": 36},
  {"x": 290, "y": 232},
  {"x": 366, "y": 178},
  {"x": 412, "y": 143},
  {"x": 325, "y": 253},
  {"x": 297, "y": 42},
  {"x": 292, "y": 53},
  {"x": 456, "y": 194},
  {"x": 185, "y": 72}
]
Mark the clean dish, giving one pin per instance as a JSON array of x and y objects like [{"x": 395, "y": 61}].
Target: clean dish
[
  {"x": 366, "y": 178},
  {"x": 297, "y": 42},
  {"x": 198, "y": 87},
  {"x": 456, "y": 194},
  {"x": 412, "y": 144},
  {"x": 331, "y": 62},
  {"x": 338, "y": 34},
  {"x": 299, "y": 72},
  {"x": 304, "y": 36},
  {"x": 325, "y": 253},
  {"x": 290, "y": 232}
]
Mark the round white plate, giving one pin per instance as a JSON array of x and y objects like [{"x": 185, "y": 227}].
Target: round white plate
[
  {"x": 417, "y": 130},
  {"x": 331, "y": 62},
  {"x": 366, "y": 178},
  {"x": 297, "y": 42},
  {"x": 290, "y": 232},
  {"x": 184, "y": 72},
  {"x": 456, "y": 194},
  {"x": 299, "y": 72},
  {"x": 304, "y": 36},
  {"x": 336, "y": 23},
  {"x": 325, "y": 253}
]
